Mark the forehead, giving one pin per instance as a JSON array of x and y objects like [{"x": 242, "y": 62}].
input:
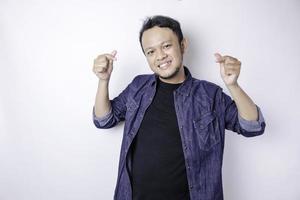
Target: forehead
[{"x": 157, "y": 35}]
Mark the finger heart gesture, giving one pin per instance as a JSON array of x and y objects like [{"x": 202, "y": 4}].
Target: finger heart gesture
[{"x": 229, "y": 68}]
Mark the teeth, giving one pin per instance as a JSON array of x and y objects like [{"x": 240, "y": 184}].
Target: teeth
[{"x": 164, "y": 64}]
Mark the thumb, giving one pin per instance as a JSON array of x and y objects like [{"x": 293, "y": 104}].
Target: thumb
[
  {"x": 113, "y": 53},
  {"x": 219, "y": 58}
]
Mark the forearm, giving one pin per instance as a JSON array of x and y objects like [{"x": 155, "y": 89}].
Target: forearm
[
  {"x": 102, "y": 104},
  {"x": 246, "y": 107}
]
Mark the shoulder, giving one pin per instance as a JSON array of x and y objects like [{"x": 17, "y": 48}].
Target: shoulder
[
  {"x": 142, "y": 78},
  {"x": 141, "y": 81},
  {"x": 204, "y": 87}
]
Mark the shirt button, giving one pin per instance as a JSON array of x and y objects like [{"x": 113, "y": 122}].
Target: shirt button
[{"x": 191, "y": 187}]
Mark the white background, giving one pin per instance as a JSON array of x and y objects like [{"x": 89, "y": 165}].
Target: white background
[{"x": 49, "y": 147}]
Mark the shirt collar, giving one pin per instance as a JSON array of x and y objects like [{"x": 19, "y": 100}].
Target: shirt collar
[{"x": 185, "y": 87}]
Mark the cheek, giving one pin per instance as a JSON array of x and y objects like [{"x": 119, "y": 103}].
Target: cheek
[
  {"x": 177, "y": 57},
  {"x": 150, "y": 61},
  {"x": 176, "y": 53}
]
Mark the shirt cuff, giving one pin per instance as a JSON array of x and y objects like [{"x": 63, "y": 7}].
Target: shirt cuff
[
  {"x": 252, "y": 125},
  {"x": 102, "y": 120}
]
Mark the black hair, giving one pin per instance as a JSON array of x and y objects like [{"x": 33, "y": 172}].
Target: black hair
[{"x": 163, "y": 22}]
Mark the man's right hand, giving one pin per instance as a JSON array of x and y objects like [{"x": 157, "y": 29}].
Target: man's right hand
[{"x": 103, "y": 65}]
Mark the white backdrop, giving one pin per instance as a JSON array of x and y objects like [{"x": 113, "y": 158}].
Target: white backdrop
[{"x": 49, "y": 147}]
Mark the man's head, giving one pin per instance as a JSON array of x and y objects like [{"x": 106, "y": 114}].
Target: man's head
[
  {"x": 163, "y": 44},
  {"x": 163, "y": 22}
]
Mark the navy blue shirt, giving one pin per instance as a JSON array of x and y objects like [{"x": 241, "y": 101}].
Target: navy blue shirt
[{"x": 203, "y": 113}]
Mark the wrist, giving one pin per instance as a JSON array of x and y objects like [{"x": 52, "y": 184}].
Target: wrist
[
  {"x": 103, "y": 82},
  {"x": 233, "y": 86}
]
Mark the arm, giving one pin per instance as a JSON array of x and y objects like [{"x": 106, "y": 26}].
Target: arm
[
  {"x": 234, "y": 121},
  {"x": 116, "y": 112},
  {"x": 102, "y": 104},
  {"x": 246, "y": 107},
  {"x": 242, "y": 109},
  {"x": 102, "y": 111},
  {"x": 108, "y": 113},
  {"x": 103, "y": 66}
]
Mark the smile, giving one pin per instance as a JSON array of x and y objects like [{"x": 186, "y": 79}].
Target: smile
[{"x": 165, "y": 65}]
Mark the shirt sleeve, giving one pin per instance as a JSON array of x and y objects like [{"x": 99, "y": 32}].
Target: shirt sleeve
[
  {"x": 250, "y": 125},
  {"x": 117, "y": 112},
  {"x": 101, "y": 121},
  {"x": 234, "y": 122}
]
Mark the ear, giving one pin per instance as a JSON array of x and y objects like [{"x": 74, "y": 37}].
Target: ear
[{"x": 183, "y": 45}]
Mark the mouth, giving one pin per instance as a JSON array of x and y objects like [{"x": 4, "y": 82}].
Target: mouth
[{"x": 165, "y": 65}]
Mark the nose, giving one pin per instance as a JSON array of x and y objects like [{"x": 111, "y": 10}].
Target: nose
[{"x": 161, "y": 55}]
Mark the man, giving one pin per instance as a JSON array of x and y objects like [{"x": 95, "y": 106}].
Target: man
[{"x": 173, "y": 140}]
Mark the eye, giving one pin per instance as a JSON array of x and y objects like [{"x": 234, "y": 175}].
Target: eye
[
  {"x": 149, "y": 53},
  {"x": 167, "y": 46}
]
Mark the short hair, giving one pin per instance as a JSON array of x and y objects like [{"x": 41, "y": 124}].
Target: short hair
[{"x": 163, "y": 22}]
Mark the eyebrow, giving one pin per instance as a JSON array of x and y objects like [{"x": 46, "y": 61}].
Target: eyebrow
[{"x": 160, "y": 44}]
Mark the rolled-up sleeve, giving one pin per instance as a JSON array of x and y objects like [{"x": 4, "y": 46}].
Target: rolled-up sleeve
[
  {"x": 118, "y": 109},
  {"x": 252, "y": 125},
  {"x": 234, "y": 122},
  {"x": 102, "y": 121}
]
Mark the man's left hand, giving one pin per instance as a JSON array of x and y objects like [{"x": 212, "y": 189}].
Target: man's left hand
[{"x": 229, "y": 68}]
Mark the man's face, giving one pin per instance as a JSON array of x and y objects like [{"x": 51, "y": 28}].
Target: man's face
[{"x": 163, "y": 53}]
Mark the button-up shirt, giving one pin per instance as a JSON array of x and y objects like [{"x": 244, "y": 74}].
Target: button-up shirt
[{"x": 203, "y": 113}]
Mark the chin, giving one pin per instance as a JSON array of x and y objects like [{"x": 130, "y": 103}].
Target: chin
[{"x": 168, "y": 74}]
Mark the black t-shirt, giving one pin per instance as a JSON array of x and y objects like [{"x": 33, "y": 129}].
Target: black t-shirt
[{"x": 158, "y": 167}]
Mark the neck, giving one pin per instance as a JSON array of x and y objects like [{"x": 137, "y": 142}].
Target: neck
[{"x": 179, "y": 78}]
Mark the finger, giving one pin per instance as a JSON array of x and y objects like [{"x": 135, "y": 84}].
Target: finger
[
  {"x": 230, "y": 59},
  {"x": 114, "y": 53},
  {"x": 235, "y": 65},
  {"x": 100, "y": 67},
  {"x": 219, "y": 58},
  {"x": 231, "y": 62},
  {"x": 110, "y": 57},
  {"x": 232, "y": 67},
  {"x": 222, "y": 69},
  {"x": 106, "y": 56},
  {"x": 96, "y": 71},
  {"x": 229, "y": 66}
]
